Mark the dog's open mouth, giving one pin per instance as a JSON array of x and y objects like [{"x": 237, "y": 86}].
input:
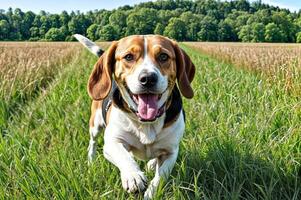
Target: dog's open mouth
[{"x": 147, "y": 105}]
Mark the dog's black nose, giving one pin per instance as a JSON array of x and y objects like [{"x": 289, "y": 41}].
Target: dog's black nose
[{"x": 148, "y": 79}]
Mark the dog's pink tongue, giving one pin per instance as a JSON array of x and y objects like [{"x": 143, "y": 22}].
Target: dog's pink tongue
[{"x": 147, "y": 106}]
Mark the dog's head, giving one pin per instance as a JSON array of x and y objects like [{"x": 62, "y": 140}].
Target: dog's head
[{"x": 146, "y": 69}]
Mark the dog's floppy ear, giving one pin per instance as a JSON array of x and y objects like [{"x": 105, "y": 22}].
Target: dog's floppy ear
[
  {"x": 100, "y": 81},
  {"x": 185, "y": 71}
]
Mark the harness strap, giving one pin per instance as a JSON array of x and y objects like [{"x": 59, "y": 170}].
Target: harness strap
[{"x": 107, "y": 102}]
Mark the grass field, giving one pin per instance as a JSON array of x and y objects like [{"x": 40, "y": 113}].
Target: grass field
[{"x": 242, "y": 138}]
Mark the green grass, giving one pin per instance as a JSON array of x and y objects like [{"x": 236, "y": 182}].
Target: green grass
[{"x": 242, "y": 141}]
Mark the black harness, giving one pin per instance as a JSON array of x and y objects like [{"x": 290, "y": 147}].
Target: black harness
[
  {"x": 172, "y": 111},
  {"x": 107, "y": 102}
]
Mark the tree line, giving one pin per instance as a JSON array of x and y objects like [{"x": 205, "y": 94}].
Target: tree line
[{"x": 183, "y": 20}]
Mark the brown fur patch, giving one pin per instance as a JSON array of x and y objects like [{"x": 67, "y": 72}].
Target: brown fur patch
[
  {"x": 100, "y": 81},
  {"x": 95, "y": 105}
]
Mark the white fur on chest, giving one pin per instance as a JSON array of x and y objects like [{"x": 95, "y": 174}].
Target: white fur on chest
[
  {"x": 147, "y": 133},
  {"x": 145, "y": 140}
]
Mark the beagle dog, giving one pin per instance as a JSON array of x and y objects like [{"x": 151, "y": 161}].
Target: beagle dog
[{"x": 136, "y": 87}]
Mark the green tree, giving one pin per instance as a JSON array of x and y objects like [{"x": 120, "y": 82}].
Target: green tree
[
  {"x": 192, "y": 24},
  {"x": 242, "y": 20},
  {"x": 104, "y": 17},
  {"x": 107, "y": 33},
  {"x": 74, "y": 27},
  {"x": 165, "y": 15},
  {"x": 16, "y": 23},
  {"x": 273, "y": 33},
  {"x": 208, "y": 7},
  {"x": 78, "y": 24},
  {"x": 245, "y": 34},
  {"x": 175, "y": 29},
  {"x": 55, "y": 21},
  {"x": 37, "y": 21},
  {"x": 45, "y": 25},
  {"x": 54, "y": 34},
  {"x": 298, "y": 37},
  {"x": 118, "y": 21},
  {"x": 4, "y": 29},
  {"x": 26, "y": 24},
  {"x": 64, "y": 18},
  {"x": 34, "y": 33},
  {"x": 64, "y": 30},
  {"x": 226, "y": 32},
  {"x": 261, "y": 16},
  {"x": 236, "y": 20},
  {"x": 258, "y": 30},
  {"x": 286, "y": 26},
  {"x": 208, "y": 29},
  {"x": 243, "y": 5},
  {"x": 143, "y": 22},
  {"x": 159, "y": 30},
  {"x": 92, "y": 32}
]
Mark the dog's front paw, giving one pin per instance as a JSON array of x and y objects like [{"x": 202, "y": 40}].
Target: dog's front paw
[
  {"x": 151, "y": 165},
  {"x": 91, "y": 152},
  {"x": 149, "y": 193},
  {"x": 152, "y": 188},
  {"x": 133, "y": 181}
]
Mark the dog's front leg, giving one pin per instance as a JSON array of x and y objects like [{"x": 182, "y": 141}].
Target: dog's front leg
[
  {"x": 94, "y": 131},
  {"x": 163, "y": 169},
  {"x": 133, "y": 179}
]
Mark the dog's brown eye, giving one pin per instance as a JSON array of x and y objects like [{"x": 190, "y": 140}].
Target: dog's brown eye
[
  {"x": 129, "y": 57},
  {"x": 163, "y": 57}
]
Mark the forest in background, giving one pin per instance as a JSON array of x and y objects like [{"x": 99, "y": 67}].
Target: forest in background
[{"x": 183, "y": 20}]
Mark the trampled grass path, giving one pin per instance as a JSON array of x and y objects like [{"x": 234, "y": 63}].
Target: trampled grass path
[{"x": 242, "y": 141}]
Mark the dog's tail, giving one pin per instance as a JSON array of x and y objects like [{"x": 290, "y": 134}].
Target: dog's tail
[{"x": 91, "y": 46}]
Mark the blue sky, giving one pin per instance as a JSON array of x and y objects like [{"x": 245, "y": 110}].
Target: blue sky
[
  {"x": 293, "y": 5},
  {"x": 56, "y": 6}
]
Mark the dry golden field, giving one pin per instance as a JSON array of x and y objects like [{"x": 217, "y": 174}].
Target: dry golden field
[
  {"x": 104, "y": 45},
  {"x": 280, "y": 62},
  {"x": 23, "y": 65}
]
